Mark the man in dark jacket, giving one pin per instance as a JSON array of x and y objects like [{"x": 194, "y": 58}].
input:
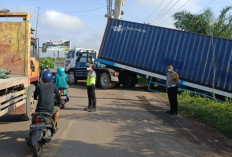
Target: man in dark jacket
[{"x": 46, "y": 101}]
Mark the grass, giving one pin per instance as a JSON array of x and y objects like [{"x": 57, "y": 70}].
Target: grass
[
  {"x": 218, "y": 115},
  {"x": 143, "y": 81}
]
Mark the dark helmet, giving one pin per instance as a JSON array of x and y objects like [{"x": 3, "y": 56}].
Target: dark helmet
[{"x": 47, "y": 76}]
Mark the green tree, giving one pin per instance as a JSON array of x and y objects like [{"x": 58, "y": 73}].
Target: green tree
[
  {"x": 47, "y": 61},
  {"x": 206, "y": 23}
]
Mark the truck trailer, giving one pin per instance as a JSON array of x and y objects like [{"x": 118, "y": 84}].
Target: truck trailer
[
  {"x": 19, "y": 55},
  {"x": 203, "y": 62}
]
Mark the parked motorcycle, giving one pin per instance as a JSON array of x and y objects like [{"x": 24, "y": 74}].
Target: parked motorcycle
[
  {"x": 41, "y": 131},
  {"x": 64, "y": 97}
]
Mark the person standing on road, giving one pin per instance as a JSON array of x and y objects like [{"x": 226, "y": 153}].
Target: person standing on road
[
  {"x": 172, "y": 84},
  {"x": 91, "y": 80}
]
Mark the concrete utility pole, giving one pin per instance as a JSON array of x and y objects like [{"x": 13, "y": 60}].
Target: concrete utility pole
[
  {"x": 117, "y": 12},
  {"x": 117, "y": 9}
]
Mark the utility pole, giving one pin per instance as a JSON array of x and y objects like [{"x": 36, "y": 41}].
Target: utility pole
[{"x": 117, "y": 12}]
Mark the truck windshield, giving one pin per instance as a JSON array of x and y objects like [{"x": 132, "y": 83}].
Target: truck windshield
[{"x": 70, "y": 54}]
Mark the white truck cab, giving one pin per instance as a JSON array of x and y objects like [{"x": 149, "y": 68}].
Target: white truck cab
[
  {"x": 70, "y": 60},
  {"x": 71, "y": 57}
]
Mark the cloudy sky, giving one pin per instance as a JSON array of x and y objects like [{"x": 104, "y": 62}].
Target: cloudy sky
[{"x": 83, "y": 21}]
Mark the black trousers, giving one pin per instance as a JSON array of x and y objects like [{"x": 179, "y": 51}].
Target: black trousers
[
  {"x": 172, "y": 96},
  {"x": 91, "y": 96}
]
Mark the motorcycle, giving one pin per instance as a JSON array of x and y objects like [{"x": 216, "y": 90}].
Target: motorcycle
[
  {"x": 41, "y": 131},
  {"x": 64, "y": 97}
]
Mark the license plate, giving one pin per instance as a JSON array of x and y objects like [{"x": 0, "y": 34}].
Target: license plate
[
  {"x": 63, "y": 97},
  {"x": 37, "y": 126}
]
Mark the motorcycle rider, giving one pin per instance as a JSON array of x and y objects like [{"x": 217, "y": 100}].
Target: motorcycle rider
[
  {"x": 61, "y": 81},
  {"x": 46, "y": 101},
  {"x": 61, "y": 78}
]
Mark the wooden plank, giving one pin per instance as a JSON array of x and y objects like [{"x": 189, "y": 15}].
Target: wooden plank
[
  {"x": 5, "y": 111},
  {"x": 13, "y": 101},
  {"x": 25, "y": 16},
  {"x": 14, "y": 81},
  {"x": 11, "y": 95}
]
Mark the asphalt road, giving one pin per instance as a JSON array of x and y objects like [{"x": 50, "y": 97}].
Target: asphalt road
[{"x": 127, "y": 123}]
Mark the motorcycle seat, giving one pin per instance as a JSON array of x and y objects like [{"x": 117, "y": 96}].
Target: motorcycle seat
[{"x": 41, "y": 113}]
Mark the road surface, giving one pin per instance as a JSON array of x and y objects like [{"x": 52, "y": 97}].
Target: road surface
[{"x": 128, "y": 123}]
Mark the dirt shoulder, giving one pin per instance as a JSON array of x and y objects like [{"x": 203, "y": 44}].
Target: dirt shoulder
[{"x": 199, "y": 133}]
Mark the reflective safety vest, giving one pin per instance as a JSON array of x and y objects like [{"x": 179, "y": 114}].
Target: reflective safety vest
[{"x": 91, "y": 80}]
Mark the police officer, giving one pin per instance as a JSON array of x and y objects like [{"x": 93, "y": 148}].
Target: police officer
[
  {"x": 91, "y": 80},
  {"x": 172, "y": 84}
]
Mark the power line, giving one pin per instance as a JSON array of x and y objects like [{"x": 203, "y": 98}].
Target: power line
[
  {"x": 161, "y": 11},
  {"x": 160, "y": 15},
  {"x": 77, "y": 11},
  {"x": 206, "y": 6},
  {"x": 165, "y": 13},
  {"x": 177, "y": 10},
  {"x": 86, "y": 10},
  {"x": 185, "y": 4},
  {"x": 154, "y": 11}
]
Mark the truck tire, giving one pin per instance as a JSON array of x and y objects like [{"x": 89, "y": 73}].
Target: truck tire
[
  {"x": 127, "y": 81},
  {"x": 117, "y": 85},
  {"x": 97, "y": 81},
  {"x": 30, "y": 103},
  {"x": 104, "y": 81},
  {"x": 71, "y": 77},
  {"x": 134, "y": 81}
]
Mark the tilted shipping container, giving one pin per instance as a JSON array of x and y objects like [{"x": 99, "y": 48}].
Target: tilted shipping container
[{"x": 198, "y": 59}]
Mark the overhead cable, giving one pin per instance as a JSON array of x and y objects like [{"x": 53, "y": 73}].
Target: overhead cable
[
  {"x": 176, "y": 11},
  {"x": 88, "y": 10},
  {"x": 167, "y": 11},
  {"x": 161, "y": 11},
  {"x": 154, "y": 11}
]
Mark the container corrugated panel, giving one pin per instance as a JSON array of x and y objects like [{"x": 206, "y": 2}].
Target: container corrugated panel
[{"x": 196, "y": 58}]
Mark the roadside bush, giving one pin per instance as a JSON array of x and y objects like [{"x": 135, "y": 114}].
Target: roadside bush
[{"x": 216, "y": 114}]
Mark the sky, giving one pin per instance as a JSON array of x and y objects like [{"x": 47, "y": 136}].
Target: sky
[{"x": 83, "y": 21}]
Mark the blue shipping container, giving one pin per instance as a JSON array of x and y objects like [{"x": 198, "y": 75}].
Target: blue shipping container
[{"x": 198, "y": 59}]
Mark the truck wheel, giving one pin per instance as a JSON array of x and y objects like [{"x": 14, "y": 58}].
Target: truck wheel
[
  {"x": 97, "y": 81},
  {"x": 30, "y": 103},
  {"x": 117, "y": 85},
  {"x": 127, "y": 82},
  {"x": 71, "y": 77},
  {"x": 104, "y": 81},
  {"x": 134, "y": 81}
]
